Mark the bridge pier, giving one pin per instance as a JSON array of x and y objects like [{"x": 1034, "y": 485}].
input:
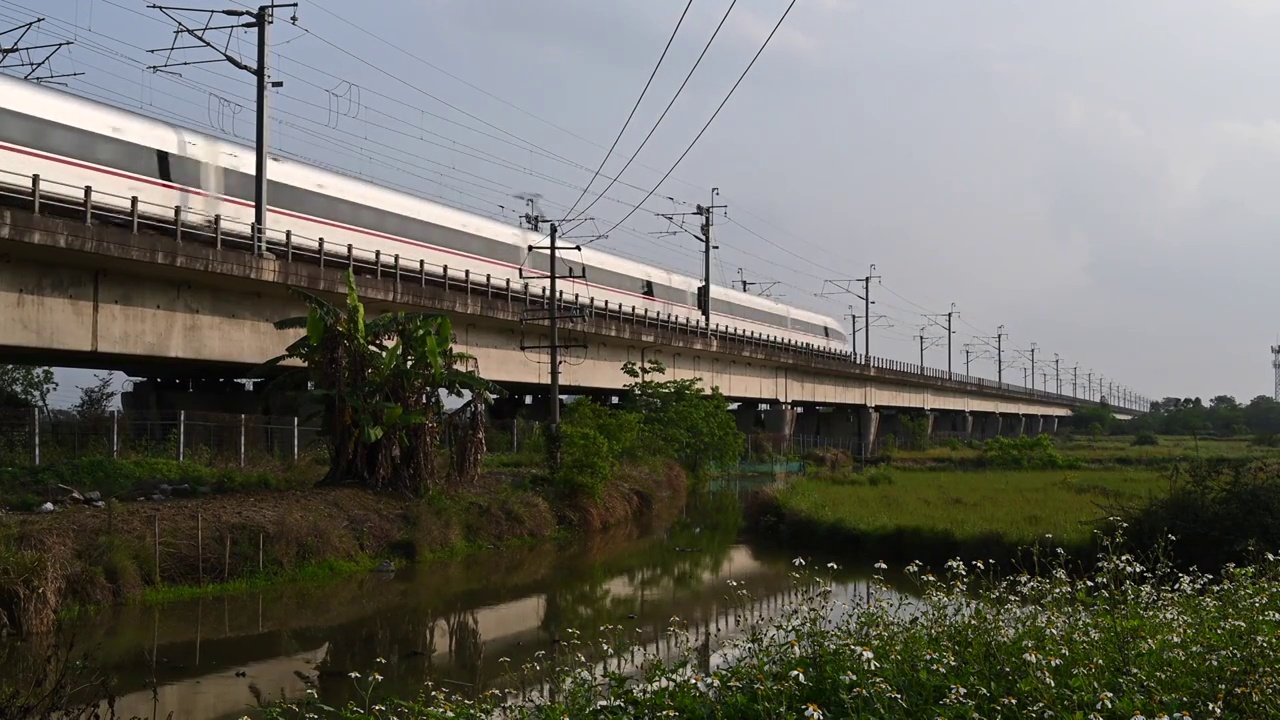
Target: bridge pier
[
  {"x": 1018, "y": 428},
  {"x": 1051, "y": 425},
  {"x": 868, "y": 429},
  {"x": 1037, "y": 425},
  {"x": 989, "y": 425},
  {"x": 747, "y": 415},
  {"x": 780, "y": 419}
]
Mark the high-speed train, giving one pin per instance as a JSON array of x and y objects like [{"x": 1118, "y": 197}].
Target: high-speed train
[{"x": 75, "y": 142}]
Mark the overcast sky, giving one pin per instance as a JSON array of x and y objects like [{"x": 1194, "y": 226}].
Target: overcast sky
[{"x": 1099, "y": 177}]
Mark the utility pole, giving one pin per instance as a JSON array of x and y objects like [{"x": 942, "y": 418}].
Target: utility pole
[
  {"x": 845, "y": 287},
  {"x": 707, "y": 213},
  {"x": 28, "y": 61},
  {"x": 1088, "y": 386},
  {"x": 923, "y": 339},
  {"x": 968, "y": 356},
  {"x": 949, "y": 315},
  {"x": 853, "y": 330},
  {"x": 1033, "y": 366},
  {"x": 1057, "y": 374},
  {"x": 1000, "y": 335},
  {"x": 1025, "y": 381},
  {"x": 1075, "y": 380},
  {"x": 535, "y": 220},
  {"x": 260, "y": 20}
]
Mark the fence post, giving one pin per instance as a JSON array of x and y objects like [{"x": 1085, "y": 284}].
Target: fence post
[
  {"x": 295, "y": 438},
  {"x": 217, "y": 232},
  {"x": 226, "y": 560},
  {"x": 157, "y": 536},
  {"x": 241, "y": 439},
  {"x": 320, "y": 251},
  {"x": 288, "y": 246},
  {"x": 133, "y": 213},
  {"x": 515, "y": 432},
  {"x": 259, "y": 553},
  {"x": 35, "y": 194},
  {"x": 177, "y": 223},
  {"x": 88, "y": 204},
  {"x": 35, "y": 435},
  {"x": 200, "y": 547},
  {"x": 115, "y": 433}
]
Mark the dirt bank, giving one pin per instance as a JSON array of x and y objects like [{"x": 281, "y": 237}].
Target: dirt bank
[{"x": 90, "y": 556}]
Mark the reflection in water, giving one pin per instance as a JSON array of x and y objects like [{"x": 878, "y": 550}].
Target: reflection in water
[{"x": 448, "y": 622}]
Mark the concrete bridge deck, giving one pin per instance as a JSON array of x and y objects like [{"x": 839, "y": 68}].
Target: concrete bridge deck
[{"x": 163, "y": 303}]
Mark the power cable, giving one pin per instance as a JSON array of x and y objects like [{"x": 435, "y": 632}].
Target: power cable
[
  {"x": 634, "y": 108},
  {"x": 667, "y": 109},
  {"x": 711, "y": 119}
]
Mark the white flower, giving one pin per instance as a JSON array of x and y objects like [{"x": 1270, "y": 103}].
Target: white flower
[
  {"x": 798, "y": 674},
  {"x": 1104, "y": 700},
  {"x": 354, "y": 675},
  {"x": 798, "y": 562},
  {"x": 881, "y": 566},
  {"x": 832, "y": 566},
  {"x": 812, "y": 711},
  {"x": 375, "y": 677},
  {"x": 382, "y": 661}
]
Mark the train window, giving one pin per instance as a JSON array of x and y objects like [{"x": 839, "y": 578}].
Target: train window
[
  {"x": 646, "y": 288},
  {"x": 826, "y": 332}
]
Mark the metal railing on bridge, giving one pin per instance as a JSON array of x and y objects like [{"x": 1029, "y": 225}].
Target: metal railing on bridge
[{"x": 188, "y": 224}]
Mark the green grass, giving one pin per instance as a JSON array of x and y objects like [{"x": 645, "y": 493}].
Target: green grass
[
  {"x": 312, "y": 572},
  {"x": 1008, "y": 508}
]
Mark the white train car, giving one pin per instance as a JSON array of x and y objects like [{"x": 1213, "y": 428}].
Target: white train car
[{"x": 73, "y": 142}]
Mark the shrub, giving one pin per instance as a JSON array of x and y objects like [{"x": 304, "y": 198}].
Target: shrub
[
  {"x": 1146, "y": 438},
  {"x": 1220, "y": 511},
  {"x": 878, "y": 476},
  {"x": 1025, "y": 453},
  {"x": 1266, "y": 440},
  {"x": 587, "y": 460}
]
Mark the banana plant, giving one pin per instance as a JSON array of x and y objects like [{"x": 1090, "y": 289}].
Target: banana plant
[{"x": 379, "y": 384}]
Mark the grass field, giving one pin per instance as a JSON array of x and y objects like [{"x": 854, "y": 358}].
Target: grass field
[
  {"x": 956, "y": 511},
  {"x": 1107, "y": 451}
]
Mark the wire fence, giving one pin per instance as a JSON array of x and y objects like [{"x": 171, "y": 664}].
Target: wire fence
[{"x": 33, "y": 436}]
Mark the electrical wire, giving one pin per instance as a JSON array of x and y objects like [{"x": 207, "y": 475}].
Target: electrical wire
[
  {"x": 712, "y": 118},
  {"x": 634, "y": 108},
  {"x": 667, "y": 109}
]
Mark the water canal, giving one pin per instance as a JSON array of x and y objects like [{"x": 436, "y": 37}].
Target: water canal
[{"x": 451, "y": 622}]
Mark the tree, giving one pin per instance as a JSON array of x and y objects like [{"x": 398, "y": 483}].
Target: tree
[
  {"x": 379, "y": 384},
  {"x": 96, "y": 399},
  {"x": 25, "y": 386},
  {"x": 693, "y": 427}
]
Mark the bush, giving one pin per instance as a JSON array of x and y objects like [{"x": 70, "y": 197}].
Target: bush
[
  {"x": 878, "y": 476},
  {"x": 1269, "y": 440},
  {"x": 587, "y": 460},
  {"x": 1146, "y": 438},
  {"x": 1025, "y": 453},
  {"x": 1220, "y": 511}
]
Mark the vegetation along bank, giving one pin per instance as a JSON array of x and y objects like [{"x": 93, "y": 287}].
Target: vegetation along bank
[{"x": 400, "y": 479}]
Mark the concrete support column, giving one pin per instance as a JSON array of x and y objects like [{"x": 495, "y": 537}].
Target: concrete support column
[
  {"x": 809, "y": 422},
  {"x": 966, "y": 425},
  {"x": 990, "y": 426},
  {"x": 1037, "y": 425},
  {"x": 780, "y": 419},
  {"x": 1051, "y": 425},
  {"x": 1020, "y": 426},
  {"x": 869, "y": 427},
  {"x": 929, "y": 423}
]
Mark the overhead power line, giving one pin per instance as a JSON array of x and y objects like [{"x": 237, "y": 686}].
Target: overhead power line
[
  {"x": 710, "y": 120},
  {"x": 667, "y": 109},
  {"x": 634, "y": 108}
]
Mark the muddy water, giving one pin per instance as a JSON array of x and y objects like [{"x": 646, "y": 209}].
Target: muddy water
[{"x": 448, "y": 621}]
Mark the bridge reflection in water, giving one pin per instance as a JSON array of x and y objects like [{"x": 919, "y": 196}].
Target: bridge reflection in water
[{"x": 450, "y": 623}]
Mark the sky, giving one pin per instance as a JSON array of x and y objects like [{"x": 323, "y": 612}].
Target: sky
[{"x": 1097, "y": 177}]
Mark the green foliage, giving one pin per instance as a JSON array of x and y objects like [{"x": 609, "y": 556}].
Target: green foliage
[
  {"x": 878, "y": 476},
  {"x": 1096, "y": 420},
  {"x": 680, "y": 421},
  {"x": 378, "y": 384},
  {"x": 1145, "y": 438},
  {"x": 915, "y": 430},
  {"x": 1128, "y": 639},
  {"x": 25, "y": 487},
  {"x": 587, "y": 460},
  {"x": 1220, "y": 511},
  {"x": 26, "y": 386},
  {"x": 96, "y": 399},
  {"x": 1025, "y": 452}
]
